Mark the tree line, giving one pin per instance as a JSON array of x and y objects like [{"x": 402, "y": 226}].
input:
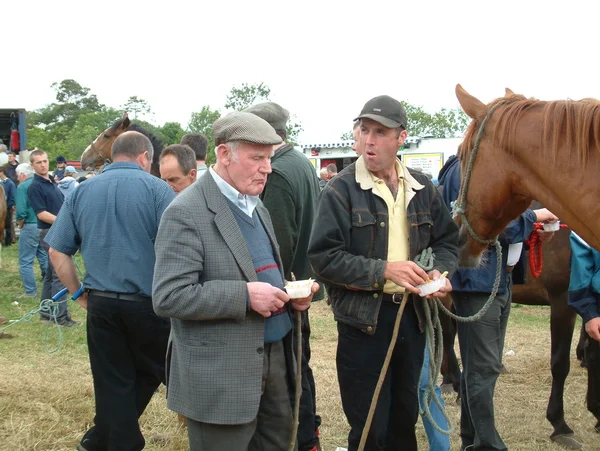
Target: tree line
[{"x": 68, "y": 125}]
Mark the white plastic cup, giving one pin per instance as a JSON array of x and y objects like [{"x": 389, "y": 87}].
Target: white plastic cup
[
  {"x": 553, "y": 227},
  {"x": 299, "y": 288},
  {"x": 431, "y": 287}
]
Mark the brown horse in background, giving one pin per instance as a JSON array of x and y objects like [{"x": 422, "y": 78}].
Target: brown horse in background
[
  {"x": 98, "y": 153},
  {"x": 529, "y": 150}
]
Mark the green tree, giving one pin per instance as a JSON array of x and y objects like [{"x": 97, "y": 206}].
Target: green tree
[
  {"x": 137, "y": 107},
  {"x": 348, "y": 136},
  {"x": 201, "y": 122},
  {"x": 240, "y": 98},
  {"x": 172, "y": 132},
  {"x": 86, "y": 129}
]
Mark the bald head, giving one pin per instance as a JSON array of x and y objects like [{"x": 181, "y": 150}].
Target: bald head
[{"x": 135, "y": 147}]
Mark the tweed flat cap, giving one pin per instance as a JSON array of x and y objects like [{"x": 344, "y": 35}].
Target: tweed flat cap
[
  {"x": 246, "y": 127},
  {"x": 274, "y": 114}
]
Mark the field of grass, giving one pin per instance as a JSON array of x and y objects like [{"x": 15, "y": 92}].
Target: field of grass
[{"x": 46, "y": 400}]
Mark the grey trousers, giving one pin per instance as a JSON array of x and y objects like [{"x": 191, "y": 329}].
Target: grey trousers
[
  {"x": 481, "y": 348},
  {"x": 269, "y": 431}
]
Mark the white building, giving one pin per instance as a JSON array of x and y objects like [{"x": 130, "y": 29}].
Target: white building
[{"x": 426, "y": 154}]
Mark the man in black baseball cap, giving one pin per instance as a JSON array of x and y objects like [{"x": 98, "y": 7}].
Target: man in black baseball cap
[{"x": 373, "y": 219}]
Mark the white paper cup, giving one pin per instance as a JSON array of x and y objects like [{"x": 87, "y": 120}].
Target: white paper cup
[
  {"x": 555, "y": 226},
  {"x": 431, "y": 287},
  {"x": 299, "y": 288}
]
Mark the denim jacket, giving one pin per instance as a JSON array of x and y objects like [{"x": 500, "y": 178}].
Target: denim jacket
[{"x": 349, "y": 242}]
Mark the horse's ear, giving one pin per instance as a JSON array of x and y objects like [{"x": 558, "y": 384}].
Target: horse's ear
[
  {"x": 474, "y": 108},
  {"x": 508, "y": 92},
  {"x": 126, "y": 121}
]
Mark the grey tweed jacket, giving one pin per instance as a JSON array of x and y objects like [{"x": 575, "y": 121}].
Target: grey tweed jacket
[{"x": 216, "y": 344}]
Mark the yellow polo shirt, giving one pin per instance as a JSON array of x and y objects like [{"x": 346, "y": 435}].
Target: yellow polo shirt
[{"x": 398, "y": 248}]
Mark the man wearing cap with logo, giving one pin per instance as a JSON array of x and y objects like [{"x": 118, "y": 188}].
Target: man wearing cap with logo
[
  {"x": 373, "y": 219},
  {"x": 221, "y": 283},
  {"x": 291, "y": 197}
]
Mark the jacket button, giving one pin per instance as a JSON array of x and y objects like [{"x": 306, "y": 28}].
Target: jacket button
[
  {"x": 369, "y": 329},
  {"x": 376, "y": 285},
  {"x": 382, "y": 224},
  {"x": 260, "y": 350},
  {"x": 375, "y": 295}
]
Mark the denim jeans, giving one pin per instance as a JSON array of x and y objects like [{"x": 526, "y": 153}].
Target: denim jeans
[
  {"x": 52, "y": 285},
  {"x": 29, "y": 248},
  {"x": 437, "y": 440},
  {"x": 481, "y": 347}
]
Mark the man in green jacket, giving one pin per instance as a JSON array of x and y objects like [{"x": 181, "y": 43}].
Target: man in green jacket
[
  {"x": 29, "y": 239},
  {"x": 290, "y": 196}
]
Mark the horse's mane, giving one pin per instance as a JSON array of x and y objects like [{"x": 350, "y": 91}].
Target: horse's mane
[{"x": 574, "y": 124}]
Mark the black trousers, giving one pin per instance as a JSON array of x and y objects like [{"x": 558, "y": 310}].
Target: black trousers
[
  {"x": 308, "y": 420},
  {"x": 592, "y": 360},
  {"x": 9, "y": 228},
  {"x": 127, "y": 345},
  {"x": 359, "y": 361}
]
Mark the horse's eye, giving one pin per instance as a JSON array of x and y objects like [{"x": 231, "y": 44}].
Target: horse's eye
[{"x": 106, "y": 136}]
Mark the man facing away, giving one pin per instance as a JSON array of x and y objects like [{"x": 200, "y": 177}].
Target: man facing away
[
  {"x": 290, "y": 196},
  {"x": 29, "y": 239},
  {"x": 10, "y": 190},
  {"x": 219, "y": 278},
  {"x": 113, "y": 220},
  {"x": 46, "y": 201},
  {"x": 199, "y": 144},
  {"x": 373, "y": 219},
  {"x": 177, "y": 165}
]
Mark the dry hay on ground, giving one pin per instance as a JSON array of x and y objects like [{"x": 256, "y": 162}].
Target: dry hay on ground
[{"x": 46, "y": 401}]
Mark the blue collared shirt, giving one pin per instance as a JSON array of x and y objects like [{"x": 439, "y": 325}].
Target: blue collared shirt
[
  {"x": 246, "y": 203},
  {"x": 44, "y": 195},
  {"x": 113, "y": 218}
]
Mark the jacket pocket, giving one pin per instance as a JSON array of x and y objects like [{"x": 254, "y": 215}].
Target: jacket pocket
[
  {"x": 422, "y": 224},
  {"x": 363, "y": 232}
]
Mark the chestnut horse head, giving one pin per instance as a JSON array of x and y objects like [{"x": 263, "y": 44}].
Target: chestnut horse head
[
  {"x": 527, "y": 150},
  {"x": 98, "y": 153}
]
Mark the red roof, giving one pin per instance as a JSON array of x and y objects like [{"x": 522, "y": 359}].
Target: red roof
[{"x": 75, "y": 163}]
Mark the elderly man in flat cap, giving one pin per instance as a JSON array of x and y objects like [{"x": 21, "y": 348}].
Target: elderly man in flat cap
[
  {"x": 220, "y": 279},
  {"x": 291, "y": 197}
]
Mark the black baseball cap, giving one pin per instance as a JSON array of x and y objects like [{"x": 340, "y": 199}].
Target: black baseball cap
[{"x": 386, "y": 110}]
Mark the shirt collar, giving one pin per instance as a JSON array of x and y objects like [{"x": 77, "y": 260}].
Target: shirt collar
[
  {"x": 367, "y": 180},
  {"x": 245, "y": 203}
]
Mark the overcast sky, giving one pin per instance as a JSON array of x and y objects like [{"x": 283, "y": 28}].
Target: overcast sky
[{"x": 322, "y": 59}]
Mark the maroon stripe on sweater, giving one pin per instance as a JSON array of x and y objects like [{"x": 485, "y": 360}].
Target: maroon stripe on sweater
[{"x": 266, "y": 267}]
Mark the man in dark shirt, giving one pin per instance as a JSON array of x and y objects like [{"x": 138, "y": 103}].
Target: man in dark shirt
[
  {"x": 11, "y": 167},
  {"x": 113, "y": 219},
  {"x": 46, "y": 201}
]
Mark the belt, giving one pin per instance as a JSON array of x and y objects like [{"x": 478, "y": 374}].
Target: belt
[
  {"x": 509, "y": 269},
  {"x": 122, "y": 296},
  {"x": 396, "y": 298}
]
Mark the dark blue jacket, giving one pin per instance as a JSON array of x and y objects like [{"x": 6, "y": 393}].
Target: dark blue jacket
[
  {"x": 481, "y": 279},
  {"x": 11, "y": 193}
]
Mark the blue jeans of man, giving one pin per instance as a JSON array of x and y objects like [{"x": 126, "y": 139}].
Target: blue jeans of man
[
  {"x": 52, "y": 285},
  {"x": 359, "y": 361},
  {"x": 29, "y": 248},
  {"x": 481, "y": 347},
  {"x": 437, "y": 440}
]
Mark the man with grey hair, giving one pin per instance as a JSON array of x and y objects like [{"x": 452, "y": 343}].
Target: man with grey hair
[
  {"x": 113, "y": 219},
  {"x": 291, "y": 197},
  {"x": 29, "y": 238},
  {"x": 219, "y": 278}
]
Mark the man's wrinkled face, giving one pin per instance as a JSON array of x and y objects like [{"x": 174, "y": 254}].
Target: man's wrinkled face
[
  {"x": 171, "y": 172},
  {"x": 247, "y": 168},
  {"x": 40, "y": 165}
]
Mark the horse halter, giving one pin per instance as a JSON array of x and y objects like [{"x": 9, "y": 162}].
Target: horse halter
[
  {"x": 460, "y": 208},
  {"x": 106, "y": 161}
]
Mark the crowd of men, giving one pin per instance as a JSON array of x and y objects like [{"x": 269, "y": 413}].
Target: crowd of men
[{"x": 185, "y": 282}]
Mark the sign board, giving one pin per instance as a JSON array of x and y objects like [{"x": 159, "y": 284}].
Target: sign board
[{"x": 429, "y": 163}]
